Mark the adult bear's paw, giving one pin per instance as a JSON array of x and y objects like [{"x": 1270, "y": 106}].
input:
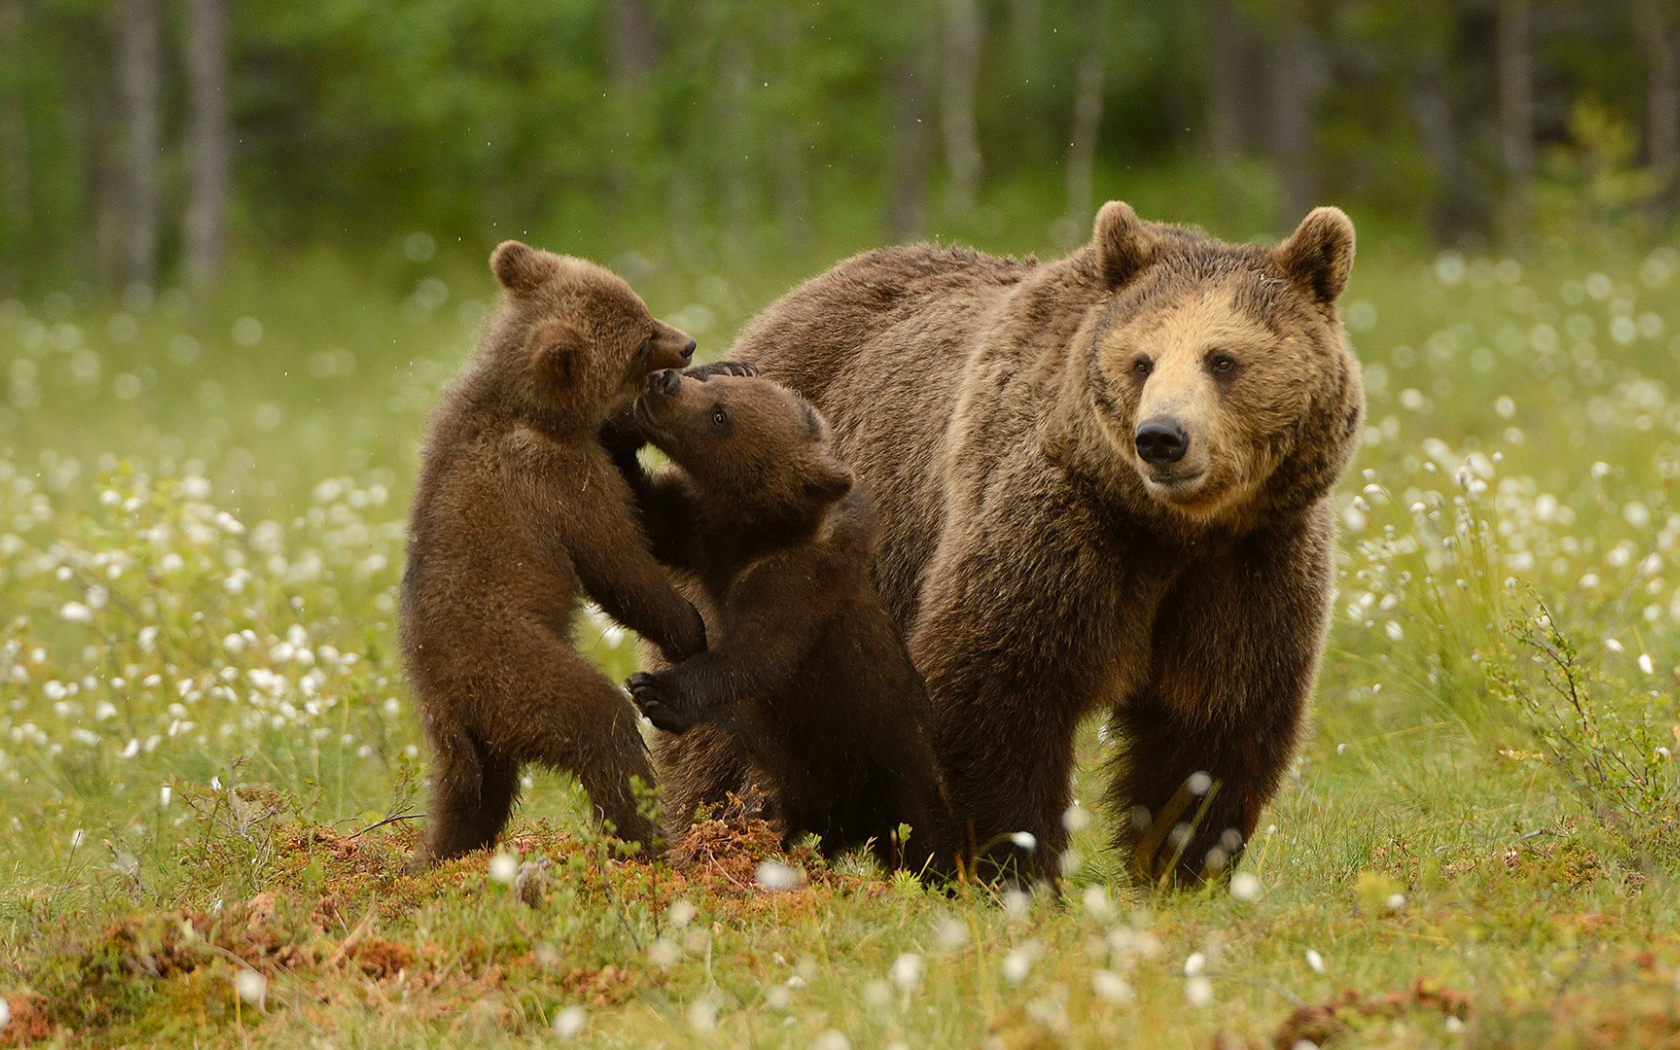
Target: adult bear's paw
[{"x": 661, "y": 704}]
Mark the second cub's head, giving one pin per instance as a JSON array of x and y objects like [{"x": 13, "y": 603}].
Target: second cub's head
[
  {"x": 756, "y": 447},
  {"x": 571, "y": 338}
]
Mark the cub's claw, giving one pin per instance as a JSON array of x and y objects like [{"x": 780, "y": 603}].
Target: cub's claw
[
  {"x": 721, "y": 368},
  {"x": 662, "y": 708}
]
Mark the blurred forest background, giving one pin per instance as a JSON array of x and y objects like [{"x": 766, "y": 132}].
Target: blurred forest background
[{"x": 152, "y": 143}]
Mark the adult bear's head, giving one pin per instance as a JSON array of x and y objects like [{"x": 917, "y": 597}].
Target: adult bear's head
[{"x": 1220, "y": 372}]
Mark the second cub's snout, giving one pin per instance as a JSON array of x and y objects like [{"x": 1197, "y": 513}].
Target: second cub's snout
[{"x": 665, "y": 383}]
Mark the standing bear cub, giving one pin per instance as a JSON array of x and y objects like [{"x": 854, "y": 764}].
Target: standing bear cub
[
  {"x": 520, "y": 512},
  {"x": 807, "y": 691},
  {"x": 1105, "y": 489}
]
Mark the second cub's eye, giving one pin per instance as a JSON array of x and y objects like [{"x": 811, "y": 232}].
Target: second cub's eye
[{"x": 719, "y": 417}]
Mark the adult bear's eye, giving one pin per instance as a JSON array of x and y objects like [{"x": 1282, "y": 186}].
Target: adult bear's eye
[
  {"x": 1142, "y": 366},
  {"x": 1221, "y": 362}
]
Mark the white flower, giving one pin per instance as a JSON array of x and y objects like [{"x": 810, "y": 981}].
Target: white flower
[
  {"x": 164, "y": 795},
  {"x": 907, "y": 972},
  {"x": 570, "y": 1021},
  {"x": 664, "y": 953},
  {"x": 504, "y": 868},
  {"x": 251, "y": 986},
  {"x": 1645, "y": 663},
  {"x": 1195, "y": 964},
  {"x": 1245, "y": 887},
  {"x": 1198, "y": 991},
  {"x": 1020, "y": 960},
  {"x": 1076, "y": 818},
  {"x": 76, "y": 612},
  {"x": 702, "y": 1015},
  {"x": 1096, "y": 901},
  {"x": 950, "y": 934},
  {"x": 775, "y": 876},
  {"x": 1024, "y": 840},
  {"x": 1111, "y": 986},
  {"x": 831, "y": 1039},
  {"x": 682, "y": 913},
  {"x": 1315, "y": 960}
]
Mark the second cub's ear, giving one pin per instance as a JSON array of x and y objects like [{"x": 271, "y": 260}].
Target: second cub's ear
[
  {"x": 558, "y": 351},
  {"x": 830, "y": 480},
  {"x": 1318, "y": 256},
  {"x": 1125, "y": 244},
  {"x": 521, "y": 268}
]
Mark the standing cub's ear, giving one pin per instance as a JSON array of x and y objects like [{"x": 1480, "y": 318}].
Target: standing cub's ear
[
  {"x": 829, "y": 480},
  {"x": 521, "y": 268},
  {"x": 1124, "y": 242},
  {"x": 557, "y": 351},
  {"x": 1319, "y": 254}
]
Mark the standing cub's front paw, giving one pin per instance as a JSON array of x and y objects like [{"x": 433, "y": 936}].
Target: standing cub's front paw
[
  {"x": 721, "y": 368},
  {"x": 662, "y": 706}
]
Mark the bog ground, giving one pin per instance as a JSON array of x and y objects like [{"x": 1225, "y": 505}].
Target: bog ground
[{"x": 201, "y": 710}]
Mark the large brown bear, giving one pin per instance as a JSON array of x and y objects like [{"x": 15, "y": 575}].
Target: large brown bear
[
  {"x": 519, "y": 513},
  {"x": 807, "y": 686},
  {"x": 1105, "y": 488}
]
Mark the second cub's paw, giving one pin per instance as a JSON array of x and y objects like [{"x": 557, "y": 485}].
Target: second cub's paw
[
  {"x": 659, "y": 703},
  {"x": 721, "y": 368}
]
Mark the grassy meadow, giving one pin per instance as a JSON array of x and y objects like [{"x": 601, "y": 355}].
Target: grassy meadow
[{"x": 201, "y": 709}]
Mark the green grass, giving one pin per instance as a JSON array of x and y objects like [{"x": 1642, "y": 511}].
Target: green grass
[{"x": 201, "y": 523}]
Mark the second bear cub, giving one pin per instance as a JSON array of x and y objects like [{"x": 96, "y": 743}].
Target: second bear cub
[{"x": 806, "y": 673}]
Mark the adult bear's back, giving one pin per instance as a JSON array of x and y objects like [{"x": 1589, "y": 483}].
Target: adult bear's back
[{"x": 878, "y": 344}]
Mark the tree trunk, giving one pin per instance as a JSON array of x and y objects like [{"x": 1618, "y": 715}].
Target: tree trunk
[
  {"x": 1513, "y": 45},
  {"x": 1087, "y": 111},
  {"x": 1295, "y": 81},
  {"x": 961, "y": 73},
  {"x": 788, "y": 147},
  {"x": 1227, "y": 82},
  {"x": 1654, "y": 22},
  {"x": 139, "y": 79},
  {"x": 14, "y": 137},
  {"x": 209, "y": 142},
  {"x": 633, "y": 53},
  {"x": 908, "y": 144}
]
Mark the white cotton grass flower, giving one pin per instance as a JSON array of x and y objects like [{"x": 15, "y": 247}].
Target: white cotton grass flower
[
  {"x": 1020, "y": 961},
  {"x": 570, "y": 1021},
  {"x": 164, "y": 795},
  {"x": 777, "y": 877},
  {"x": 1198, "y": 991},
  {"x": 1646, "y": 665},
  {"x": 664, "y": 953},
  {"x": 504, "y": 868},
  {"x": 831, "y": 1039},
  {"x": 1024, "y": 840},
  {"x": 1106, "y": 984},
  {"x": 1076, "y": 818},
  {"x": 950, "y": 933},
  {"x": 1195, "y": 964},
  {"x": 703, "y": 1015},
  {"x": 5, "y": 1014},
  {"x": 1096, "y": 901},
  {"x": 681, "y": 914},
  {"x": 906, "y": 972},
  {"x": 1245, "y": 887},
  {"x": 76, "y": 612},
  {"x": 1315, "y": 960},
  {"x": 251, "y": 986}
]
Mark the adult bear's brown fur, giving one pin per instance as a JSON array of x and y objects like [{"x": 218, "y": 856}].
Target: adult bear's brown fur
[
  {"x": 519, "y": 513},
  {"x": 807, "y": 678},
  {"x": 1105, "y": 487}
]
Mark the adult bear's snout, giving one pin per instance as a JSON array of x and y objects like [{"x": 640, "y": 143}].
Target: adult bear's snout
[{"x": 1161, "y": 440}]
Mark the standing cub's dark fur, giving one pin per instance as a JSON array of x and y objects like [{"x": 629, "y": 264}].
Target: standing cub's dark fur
[
  {"x": 519, "y": 513},
  {"x": 807, "y": 690}
]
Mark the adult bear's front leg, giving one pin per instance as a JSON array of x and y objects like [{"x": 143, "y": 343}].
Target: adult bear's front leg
[
  {"x": 1012, "y": 662},
  {"x": 1207, "y": 741}
]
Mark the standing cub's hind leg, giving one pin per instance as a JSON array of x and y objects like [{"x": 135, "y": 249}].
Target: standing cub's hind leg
[{"x": 472, "y": 794}]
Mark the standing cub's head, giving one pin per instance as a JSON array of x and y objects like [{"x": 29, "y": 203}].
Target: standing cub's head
[
  {"x": 1221, "y": 372},
  {"x": 757, "y": 450},
  {"x": 571, "y": 341}
]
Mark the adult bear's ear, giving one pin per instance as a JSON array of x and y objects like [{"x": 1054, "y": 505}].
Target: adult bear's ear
[
  {"x": 521, "y": 268},
  {"x": 558, "y": 351},
  {"x": 830, "y": 480},
  {"x": 1318, "y": 256},
  {"x": 1125, "y": 244}
]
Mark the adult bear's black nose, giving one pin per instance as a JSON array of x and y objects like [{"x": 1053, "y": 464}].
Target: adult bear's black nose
[
  {"x": 665, "y": 382},
  {"x": 1161, "y": 441}
]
